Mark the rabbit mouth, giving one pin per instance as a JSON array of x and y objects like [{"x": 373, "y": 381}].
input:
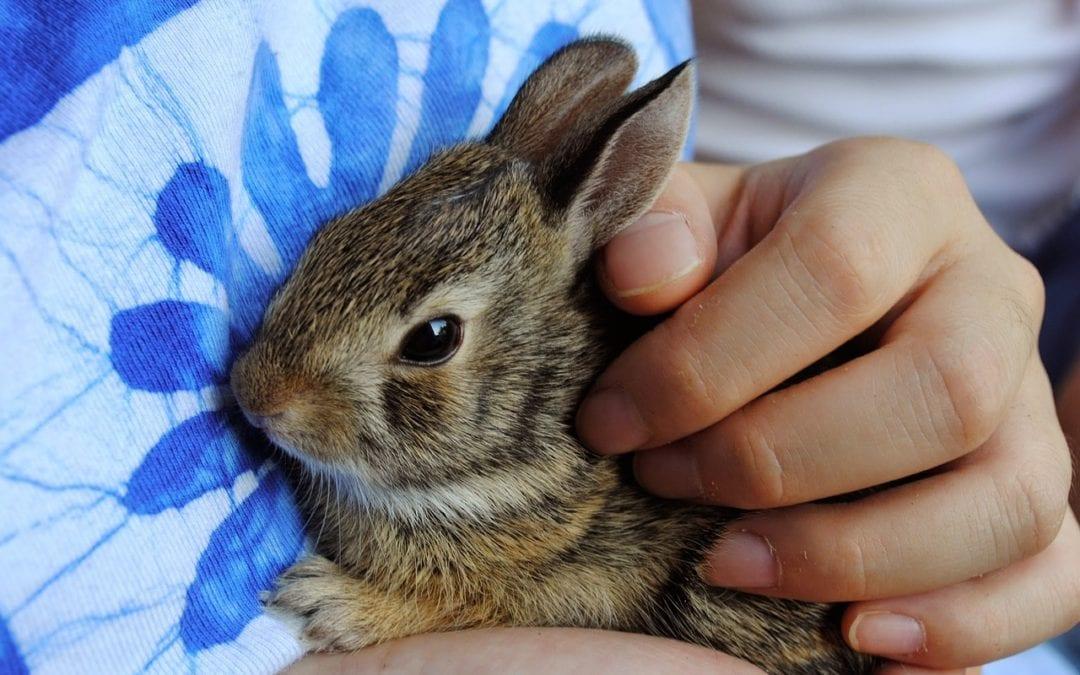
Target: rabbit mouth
[
  {"x": 356, "y": 482},
  {"x": 468, "y": 499},
  {"x": 286, "y": 447}
]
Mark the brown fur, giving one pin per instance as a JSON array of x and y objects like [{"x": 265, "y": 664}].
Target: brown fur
[{"x": 456, "y": 495}]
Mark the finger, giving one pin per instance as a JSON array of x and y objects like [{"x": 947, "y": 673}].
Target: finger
[
  {"x": 669, "y": 254},
  {"x": 527, "y": 650},
  {"x": 981, "y": 620},
  {"x": 829, "y": 270},
  {"x": 1000, "y": 504},
  {"x": 723, "y": 188},
  {"x": 906, "y": 669},
  {"x": 933, "y": 392}
]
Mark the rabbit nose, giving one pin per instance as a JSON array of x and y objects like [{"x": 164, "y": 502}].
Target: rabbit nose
[{"x": 260, "y": 390}]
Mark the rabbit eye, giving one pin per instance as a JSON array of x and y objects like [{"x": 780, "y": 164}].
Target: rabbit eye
[{"x": 432, "y": 342}]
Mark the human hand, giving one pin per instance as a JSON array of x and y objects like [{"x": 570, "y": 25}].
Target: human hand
[
  {"x": 527, "y": 650},
  {"x": 876, "y": 240},
  {"x": 539, "y": 650}
]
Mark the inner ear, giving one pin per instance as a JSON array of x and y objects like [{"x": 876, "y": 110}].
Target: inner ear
[
  {"x": 605, "y": 181},
  {"x": 573, "y": 86}
]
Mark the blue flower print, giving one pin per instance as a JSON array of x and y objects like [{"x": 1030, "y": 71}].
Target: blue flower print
[{"x": 162, "y": 512}]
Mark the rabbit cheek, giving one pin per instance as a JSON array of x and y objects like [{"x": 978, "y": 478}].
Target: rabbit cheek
[
  {"x": 297, "y": 413},
  {"x": 320, "y": 427},
  {"x": 414, "y": 408},
  {"x": 423, "y": 416}
]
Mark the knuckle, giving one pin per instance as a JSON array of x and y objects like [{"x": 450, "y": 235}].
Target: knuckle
[
  {"x": 972, "y": 377},
  {"x": 703, "y": 393},
  {"x": 1025, "y": 319},
  {"x": 849, "y": 575},
  {"x": 755, "y": 460},
  {"x": 1030, "y": 288},
  {"x": 842, "y": 265},
  {"x": 929, "y": 166},
  {"x": 937, "y": 167},
  {"x": 934, "y": 171},
  {"x": 1035, "y": 506},
  {"x": 931, "y": 156},
  {"x": 927, "y": 157},
  {"x": 890, "y": 146}
]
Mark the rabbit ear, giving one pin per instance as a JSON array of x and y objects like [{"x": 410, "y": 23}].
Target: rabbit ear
[
  {"x": 573, "y": 85},
  {"x": 610, "y": 180}
]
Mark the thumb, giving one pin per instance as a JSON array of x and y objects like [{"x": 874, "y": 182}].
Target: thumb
[{"x": 670, "y": 253}]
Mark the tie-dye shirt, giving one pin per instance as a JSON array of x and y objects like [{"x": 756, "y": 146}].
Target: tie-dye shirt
[{"x": 162, "y": 164}]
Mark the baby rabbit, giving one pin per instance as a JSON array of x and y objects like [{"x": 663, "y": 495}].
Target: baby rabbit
[{"x": 424, "y": 362}]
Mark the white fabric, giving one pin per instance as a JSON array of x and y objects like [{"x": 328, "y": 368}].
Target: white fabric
[{"x": 996, "y": 83}]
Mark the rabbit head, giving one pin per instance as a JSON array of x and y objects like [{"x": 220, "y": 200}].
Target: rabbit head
[{"x": 448, "y": 328}]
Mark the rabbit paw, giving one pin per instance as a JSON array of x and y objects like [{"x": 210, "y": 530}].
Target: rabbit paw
[{"x": 324, "y": 604}]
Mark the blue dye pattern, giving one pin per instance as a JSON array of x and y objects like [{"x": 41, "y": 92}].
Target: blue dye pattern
[
  {"x": 456, "y": 64},
  {"x": 193, "y": 218},
  {"x": 360, "y": 54},
  {"x": 170, "y": 346},
  {"x": 274, "y": 172},
  {"x": 673, "y": 29},
  {"x": 204, "y": 453},
  {"x": 247, "y": 551},
  {"x": 360, "y": 58},
  {"x": 11, "y": 662},
  {"x": 47, "y": 52},
  {"x": 176, "y": 346},
  {"x": 547, "y": 40}
]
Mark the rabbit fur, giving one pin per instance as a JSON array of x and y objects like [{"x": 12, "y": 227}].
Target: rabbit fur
[{"x": 456, "y": 495}]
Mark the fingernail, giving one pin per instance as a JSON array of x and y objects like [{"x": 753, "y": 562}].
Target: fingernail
[
  {"x": 656, "y": 250},
  {"x": 886, "y": 634},
  {"x": 669, "y": 472},
  {"x": 609, "y": 422},
  {"x": 742, "y": 560}
]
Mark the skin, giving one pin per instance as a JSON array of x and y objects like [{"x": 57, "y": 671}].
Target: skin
[
  {"x": 542, "y": 651},
  {"x": 528, "y": 650},
  {"x": 875, "y": 239}
]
